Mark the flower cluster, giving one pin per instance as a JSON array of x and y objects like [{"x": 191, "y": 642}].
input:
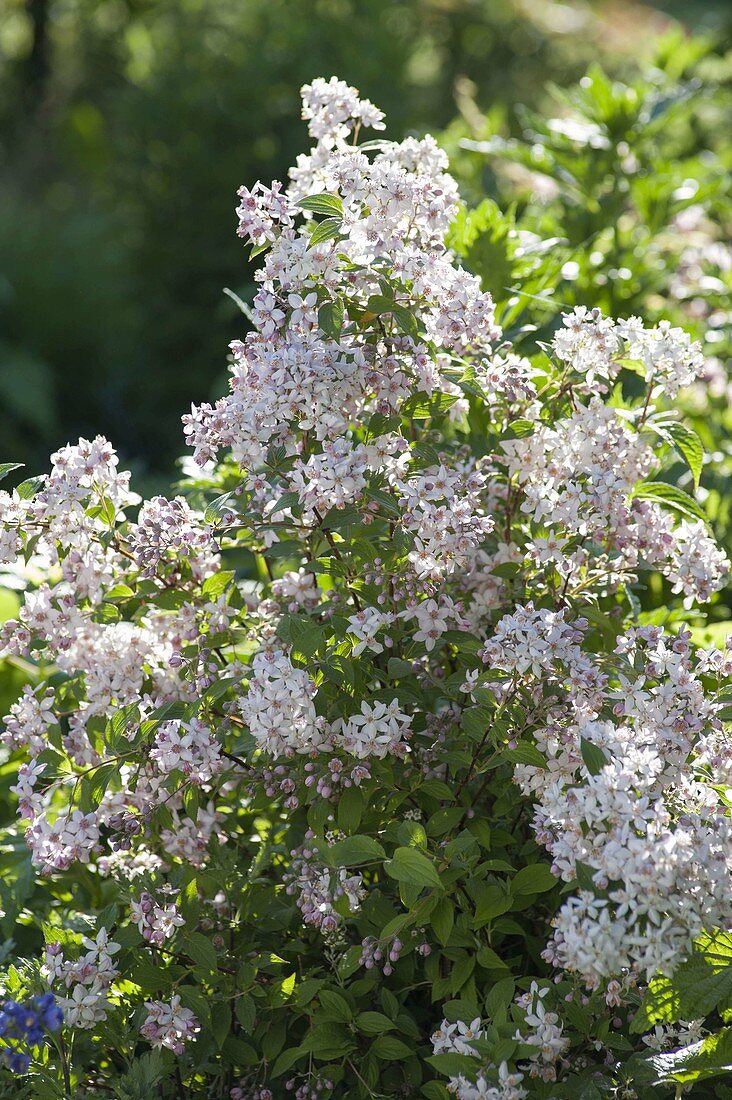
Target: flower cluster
[
  {"x": 156, "y": 922},
  {"x": 169, "y": 1024},
  {"x": 85, "y": 980},
  {"x": 317, "y": 890},
  {"x": 652, "y": 881}
]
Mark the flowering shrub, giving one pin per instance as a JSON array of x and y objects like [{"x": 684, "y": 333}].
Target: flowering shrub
[{"x": 358, "y": 770}]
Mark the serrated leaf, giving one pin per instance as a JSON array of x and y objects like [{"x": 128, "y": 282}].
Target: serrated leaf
[
  {"x": 436, "y": 788},
  {"x": 491, "y": 900},
  {"x": 330, "y": 318},
  {"x": 32, "y": 485},
  {"x": 118, "y": 592},
  {"x": 201, "y": 950},
  {"x": 712, "y": 1057},
  {"x": 442, "y": 920},
  {"x": 99, "y": 780},
  {"x": 216, "y": 585},
  {"x": 434, "y": 1090},
  {"x": 286, "y": 502},
  {"x": 287, "y": 1060},
  {"x": 220, "y": 507},
  {"x": 326, "y": 230},
  {"x": 374, "y": 1023},
  {"x": 322, "y": 204},
  {"x": 390, "y": 1049},
  {"x": 335, "y": 1005},
  {"x": 524, "y": 753},
  {"x": 442, "y": 821},
  {"x": 350, "y": 809},
  {"x": 452, "y": 1065},
  {"x": 328, "y": 1040},
  {"x": 246, "y": 1012},
  {"x": 670, "y": 496},
  {"x": 584, "y": 875},
  {"x": 412, "y": 867},
  {"x": 354, "y": 851},
  {"x": 699, "y": 985},
  {"x": 535, "y": 879},
  {"x": 593, "y": 756},
  {"x": 421, "y": 406},
  {"x": 221, "y": 1023},
  {"x": 686, "y": 441},
  {"x": 8, "y": 467}
]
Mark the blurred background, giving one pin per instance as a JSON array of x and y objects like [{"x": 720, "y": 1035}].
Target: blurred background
[{"x": 126, "y": 126}]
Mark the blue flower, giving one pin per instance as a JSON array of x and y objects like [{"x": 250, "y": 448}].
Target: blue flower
[
  {"x": 26, "y": 1025},
  {"x": 18, "y": 1062}
]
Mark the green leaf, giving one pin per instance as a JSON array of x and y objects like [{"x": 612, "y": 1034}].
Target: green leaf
[
  {"x": 584, "y": 875},
  {"x": 593, "y": 756},
  {"x": 330, "y": 318},
  {"x": 452, "y": 1065},
  {"x": 28, "y": 488},
  {"x": 322, "y": 204},
  {"x": 287, "y": 1060},
  {"x": 335, "y": 1005},
  {"x": 700, "y": 984},
  {"x": 397, "y": 668},
  {"x": 672, "y": 497},
  {"x": 215, "y": 586},
  {"x": 390, "y": 1049},
  {"x": 686, "y": 442},
  {"x": 353, "y": 851},
  {"x": 147, "y": 975},
  {"x": 422, "y": 407},
  {"x": 442, "y": 821},
  {"x": 442, "y": 920},
  {"x": 246, "y": 1013},
  {"x": 304, "y": 635},
  {"x": 499, "y": 996},
  {"x": 436, "y": 788},
  {"x": 201, "y": 950},
  {"x": 8, "y": 467},
  {"x": 220, "y": 1023},
  {"x": 286, "y": 501},
  {"x": 412, "y": 867},
  {"x": 462, "y": 970},
  {"x": 374, "y": 1023},
  {"x": 536, "y": 879},
  {"x": 491, "y": 900},
  {"x": 524, "y": 753},
  {"x": 489, "y": 959},
  {"x": 434, "y": 1090},
  {"x": 222, "y": 506},
  {"x": 350, "y": 809},
  {"x": 710, "y": 1058},
  {"x": 328, "y": 1040},
  {"x": 118, "y": 592},
  {"x": 349, "y": 962},
  {"x": 99, "y": 779},
  {"x": 325, "y": 231}
]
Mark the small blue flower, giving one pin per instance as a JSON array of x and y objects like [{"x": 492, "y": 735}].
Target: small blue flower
[
  {"x": 26, "y": 1025},
  {"x": 19, "y": 1063}
]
